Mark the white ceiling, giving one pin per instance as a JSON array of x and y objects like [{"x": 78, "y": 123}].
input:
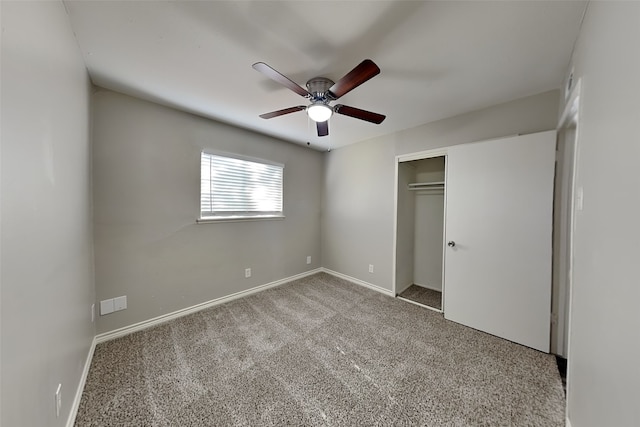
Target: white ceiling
[{"x": 437, "y": 59}]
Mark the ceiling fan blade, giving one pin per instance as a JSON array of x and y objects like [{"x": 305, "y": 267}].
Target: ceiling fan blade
[
  {"x": 363, "y": 72},
  {"x": 323, "y": 128},
  {"x": 276, "y": 76},
  {"x": 357, "y": 113},
  {"x": 273, "y": 114}
]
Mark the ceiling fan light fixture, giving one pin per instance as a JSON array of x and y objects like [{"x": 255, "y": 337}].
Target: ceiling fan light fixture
[{"x": 319, "y": 112}]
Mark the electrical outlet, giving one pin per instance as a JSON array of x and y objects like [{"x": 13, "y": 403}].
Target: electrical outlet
[
  {"x": 93, "y": 312},
  {"x": 309, "y": 260},
  {"x": 247, "y": 273},
  {"x": 370, "y": 268},
  {"x": 58, "y": 398}
]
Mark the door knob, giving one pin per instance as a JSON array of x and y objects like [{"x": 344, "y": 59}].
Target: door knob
[{"x": 451, "y": 243}]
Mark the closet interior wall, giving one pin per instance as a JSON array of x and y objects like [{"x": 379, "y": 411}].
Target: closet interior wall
[{"x": 405, "y": 227}]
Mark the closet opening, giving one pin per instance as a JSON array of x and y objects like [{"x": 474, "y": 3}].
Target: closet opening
[{"x": 420, "y": 230}]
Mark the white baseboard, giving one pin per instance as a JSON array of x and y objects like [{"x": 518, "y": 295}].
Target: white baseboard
[
  {"x": 83, "y": 379},
  {"x": 387, "y": 292},
  {"x": 126, "y": 330},
  {"x": 433, "y": 288}
]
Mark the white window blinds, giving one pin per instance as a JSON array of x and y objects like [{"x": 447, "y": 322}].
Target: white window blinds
[{"x": 231, "y": 187}]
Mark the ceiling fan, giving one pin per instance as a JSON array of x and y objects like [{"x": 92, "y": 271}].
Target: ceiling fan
[{"x": 321, "y": 91}]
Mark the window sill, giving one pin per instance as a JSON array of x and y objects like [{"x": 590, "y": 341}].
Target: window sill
[{"x": 212, "y": 220}]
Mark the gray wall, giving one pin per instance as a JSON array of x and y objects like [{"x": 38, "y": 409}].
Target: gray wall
[
  {"x": 358, "y": 211},
  {"x": 604, "y": 344},
  {"x": 146, "y": 162},
  {"x": 358, "y": 195},
  {"x": 46, "y": 244},
  {"x": 429, "y": 229}
]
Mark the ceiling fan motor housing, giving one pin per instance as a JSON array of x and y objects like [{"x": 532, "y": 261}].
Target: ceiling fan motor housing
[{"x": 318, "y": 87}]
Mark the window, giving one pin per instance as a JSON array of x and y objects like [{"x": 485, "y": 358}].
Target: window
[{"x": 233, "y": 188}]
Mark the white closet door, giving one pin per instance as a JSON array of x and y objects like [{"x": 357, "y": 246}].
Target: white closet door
[{"x": 499, "y": 214}]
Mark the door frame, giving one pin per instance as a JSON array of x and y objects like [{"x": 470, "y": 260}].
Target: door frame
[
  {"x": 420, "y": 155},
  {"x": 563, "y": 261},
  {"x": 570, "y": 119}
]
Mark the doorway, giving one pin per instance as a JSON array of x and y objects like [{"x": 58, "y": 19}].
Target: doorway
[{"x": 420, "y": 228}]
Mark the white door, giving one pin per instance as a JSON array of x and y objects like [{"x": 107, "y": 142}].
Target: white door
[{"x": 499, "y": 212}]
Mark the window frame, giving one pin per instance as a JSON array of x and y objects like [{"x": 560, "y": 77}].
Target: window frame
[{"x": 248, "y": 216}]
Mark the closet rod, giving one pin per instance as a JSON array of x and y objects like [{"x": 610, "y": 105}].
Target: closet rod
[
  {"x": 426, "y": 184},
  {"x": 437, "y": 185}
]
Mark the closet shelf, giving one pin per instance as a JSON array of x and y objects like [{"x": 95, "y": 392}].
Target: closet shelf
[{"x": 434, "y": 185}]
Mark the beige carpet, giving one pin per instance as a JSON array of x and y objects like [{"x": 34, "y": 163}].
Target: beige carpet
[
  {"x": 319, "y": 351},
  {"x": 423, "y": 296}
]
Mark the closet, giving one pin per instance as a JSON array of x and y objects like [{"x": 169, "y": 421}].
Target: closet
[
  {"x": 475, "y": 222},
  {"x": 423, "y": 222}
]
